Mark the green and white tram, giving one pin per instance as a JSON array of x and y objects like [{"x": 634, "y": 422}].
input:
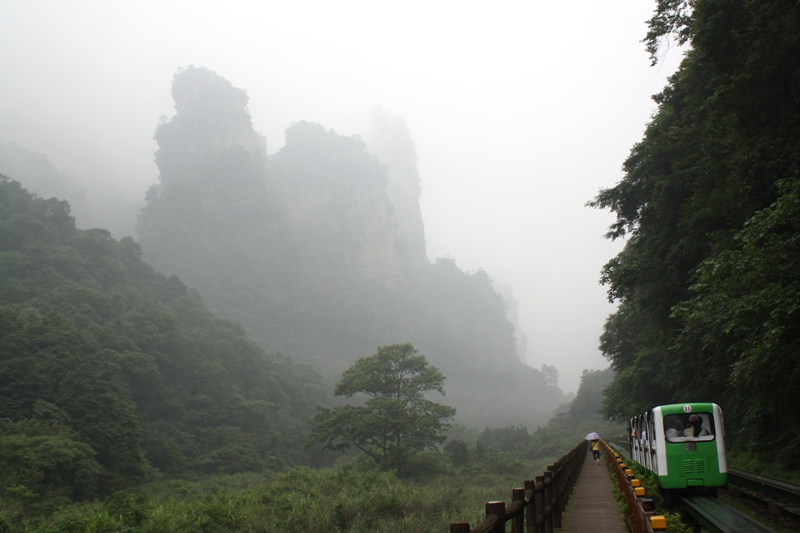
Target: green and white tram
[{"x": 682, "y": 444}]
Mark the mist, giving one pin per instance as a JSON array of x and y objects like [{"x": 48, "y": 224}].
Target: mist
[{"x": 519, "y": 115}]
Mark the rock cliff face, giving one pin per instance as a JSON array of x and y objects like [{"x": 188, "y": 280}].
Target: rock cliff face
[
  {"x": 319, "y": 250},
  {"x": 330, "y": 188},
  {"x": 391, "y": 142},
  {"x": 326, "y": 187},
  {"x": 211, "y": 118}
]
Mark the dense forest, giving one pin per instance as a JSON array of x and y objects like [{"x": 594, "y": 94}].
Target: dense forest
[
  {"x": 318, "y": 251},
  {"x": 708, "y": 283},
  {"x": 112, "y": 371}
]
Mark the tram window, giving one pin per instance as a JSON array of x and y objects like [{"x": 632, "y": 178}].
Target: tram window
[{"x": 682, "y": 428}]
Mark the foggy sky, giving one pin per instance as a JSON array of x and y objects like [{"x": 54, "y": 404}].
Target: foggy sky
[{"x": 520, "y": 113}]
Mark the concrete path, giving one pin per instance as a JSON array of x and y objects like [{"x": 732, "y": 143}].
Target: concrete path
[{"x": 592, "y": 507}]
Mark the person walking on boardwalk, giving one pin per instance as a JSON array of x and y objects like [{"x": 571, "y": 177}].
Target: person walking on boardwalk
[{"x": 596, "y": 451}]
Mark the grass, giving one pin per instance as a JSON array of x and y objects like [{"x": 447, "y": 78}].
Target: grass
[{"x": 352, "y": 499}]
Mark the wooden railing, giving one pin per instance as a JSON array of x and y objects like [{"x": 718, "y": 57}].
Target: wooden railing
[
  {"x": 539, "y": 505},
  {"x": 640, "y": 515}
]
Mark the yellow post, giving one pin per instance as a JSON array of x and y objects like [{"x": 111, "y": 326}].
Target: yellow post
[{"x": 658, "y": 523}]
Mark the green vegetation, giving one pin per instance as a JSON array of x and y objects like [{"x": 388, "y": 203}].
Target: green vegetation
[
  {"x": 708, "y": 283},
  {"x": 126, "y": 405},
  {"x": 40, "y": 177},
  {"x": 675, "y": 523},
  {"x": 396, "y": 421},
  {"x": 112, "y": 372},
  {"x": 353, "y": 499}
]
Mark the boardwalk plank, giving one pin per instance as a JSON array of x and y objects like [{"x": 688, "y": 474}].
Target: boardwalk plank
[{"x": 592, "y": 506}]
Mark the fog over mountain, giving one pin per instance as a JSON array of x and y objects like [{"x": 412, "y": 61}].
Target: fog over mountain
[
  {"x": 319, "y": 251},
  {"x": 518, "y": 115}
]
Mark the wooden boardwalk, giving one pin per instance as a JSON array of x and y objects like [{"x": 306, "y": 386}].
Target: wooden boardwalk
[{"x": 592, "y": 507}]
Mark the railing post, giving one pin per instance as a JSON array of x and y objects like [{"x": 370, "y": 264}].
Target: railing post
[
  {"x": 554, "y": 470},
  {"x": 542, "y": 501},
  {"x": 497, "y": 509},
  {"x": 541, "y": 504},
  {"x": 577, "y": 463},
  {"x": 530, "y": 511},
  {"x": 561, "y": 473},
  {"x": 548, "y": 502},
  {"x": 518, "y": 522}
]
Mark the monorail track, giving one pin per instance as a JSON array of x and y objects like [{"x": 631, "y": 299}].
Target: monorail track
[
  {"x": 775, "y": 493},
  {"x": 717, "y": 517}
]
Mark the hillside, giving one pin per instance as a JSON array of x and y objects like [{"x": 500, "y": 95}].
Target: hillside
[{"x": 111, "y": 371}]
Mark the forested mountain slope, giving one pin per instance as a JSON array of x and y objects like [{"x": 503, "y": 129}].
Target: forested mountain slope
[
  {"x": 708, "y": 282},
  {"x": 320, "y": 255},
  {"x": 39, "y": 176},
  {"x": 92, "y": 205},
  {"x": 570, "y": 425},
  {"x": 110, "y": 370}
]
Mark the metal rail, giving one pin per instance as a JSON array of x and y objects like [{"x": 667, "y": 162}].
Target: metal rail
[
  {"x": 620, "y": 447},
  {"x": 716, "y": 517},
  {"x": 776, "y": 492}
]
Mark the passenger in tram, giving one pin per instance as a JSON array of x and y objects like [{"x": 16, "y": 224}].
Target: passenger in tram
[
  {"x": 695, "y": 428},
  {"x": 676, "y": 430}
]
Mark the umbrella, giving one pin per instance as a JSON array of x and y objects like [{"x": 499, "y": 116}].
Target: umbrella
[{"x": 592, "y": 436}]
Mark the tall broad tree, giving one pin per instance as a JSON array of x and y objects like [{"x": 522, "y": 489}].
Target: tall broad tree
[{"x": 396, "y": 419}]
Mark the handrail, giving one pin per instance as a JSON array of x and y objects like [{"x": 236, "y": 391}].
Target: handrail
[
  {"x": 539, "y": 504},
  {"x": 640, "y": 515}
]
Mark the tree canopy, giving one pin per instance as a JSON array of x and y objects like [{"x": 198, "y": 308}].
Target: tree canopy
[
  {"x": 396, "y": 419},
  {"x": 111, "y": 370},
  {"x": 708, "y": 278}
]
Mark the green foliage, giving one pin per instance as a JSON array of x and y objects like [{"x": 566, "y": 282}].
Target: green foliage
[
  {"x": 742, "y": 317},
  {"x": 509, "y": 439},
  {"x": 41, "y": 459},
  {"x": 707, "y": 281},
  {"x": 396, "y": 420},
  {"x": 753, "y": 462},
  {"x": 352, "y": 499},
  {"x": 457, "y": 451},
  {"x": 648, "y": 480},
  {"x": 111, "y": 370},
  {"x": 38, "y": 174},
  {"x": 672, "y": 19}
]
